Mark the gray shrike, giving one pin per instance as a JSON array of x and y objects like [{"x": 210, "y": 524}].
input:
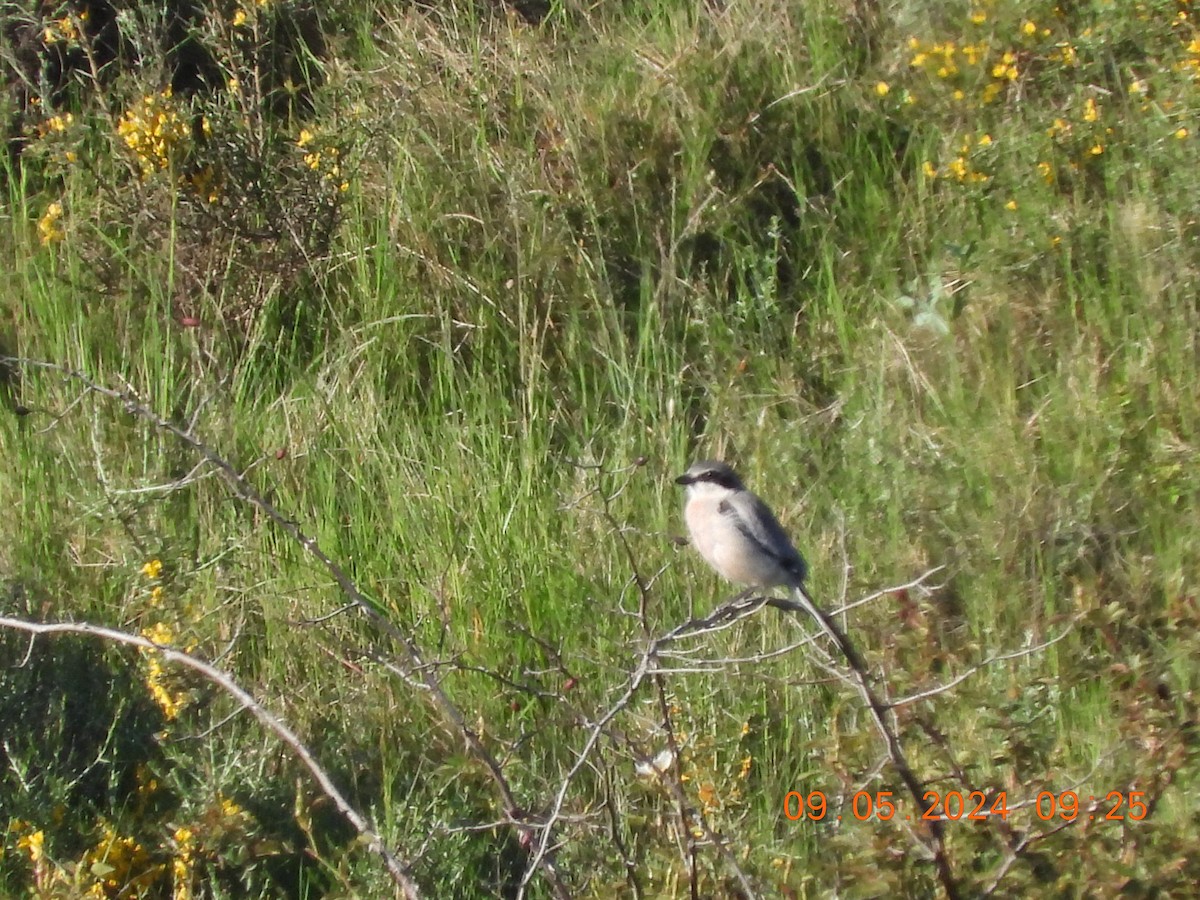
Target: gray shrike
[
  {"x": 739, "y": 536},
  {"x": 735, "y": 532}
]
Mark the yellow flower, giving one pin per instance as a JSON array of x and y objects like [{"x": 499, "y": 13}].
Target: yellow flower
[
  {"x": 1181, "y": 133},
  {"x": 1045, "y": 170},
  {"x": 978, "y": 17},
  {"x": 159, "y": 634},
  {"x": 156, "y": 595},
  {"x": 35, "y": 844},
  {"x": 1029, "y": 27},
  {"x": 153, "y": 129},
  {"x": 1006, "y": 69},
  {"x": 239, "y": 18},
  {"x": 881, "y": 88},
  {"x": 49, "y": 229},
  {"x": 928, "y": 168},
  {"x": 168, "y": 703},
  {"x": 985, "y": 140},
  {"x": 181, "y": 872},
  {"x": 118, "y": 861},
  {"x": 305, "y": 138},
  {"x": 1096, "y": 149},
  {"x": 1137, "y": 86},
  {"x": 1090, "y": 111},
  {"x": 63, "y": 30},
  {"x": 1011, "y": 205},
  {"x": 182, "y": 865},
  {"x": 152, "y": 569}
]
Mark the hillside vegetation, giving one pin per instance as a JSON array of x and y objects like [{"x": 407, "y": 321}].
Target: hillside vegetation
[{"x": 349, "y": 353}]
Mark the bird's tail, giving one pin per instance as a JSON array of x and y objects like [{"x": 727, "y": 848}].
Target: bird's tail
[{"x": 830, "y": 627}]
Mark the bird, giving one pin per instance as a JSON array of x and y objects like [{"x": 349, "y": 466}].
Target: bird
[
  {"x": 737, "y": 534},
  {"x": 735, "y": 531}
]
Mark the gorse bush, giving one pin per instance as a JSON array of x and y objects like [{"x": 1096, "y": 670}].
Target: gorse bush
[
  {"x": 183, "y": 127},
  {"x": 171, "y": 148}
]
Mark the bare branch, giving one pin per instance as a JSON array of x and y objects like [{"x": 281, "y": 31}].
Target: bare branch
[
  {"x": 397, "y": 868},
  {"x": 414, "y": 657},
  {"x": 963, "y": 676},
  {"x": 878, "y": 709}
]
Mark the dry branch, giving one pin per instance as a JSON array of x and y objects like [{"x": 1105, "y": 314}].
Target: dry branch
[
  {"x": 397, "y": 868},
  {"x": 414, "y": 658}
]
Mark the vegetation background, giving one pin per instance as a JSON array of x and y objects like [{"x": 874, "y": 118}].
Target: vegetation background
[{"x": 458, "y": 287}]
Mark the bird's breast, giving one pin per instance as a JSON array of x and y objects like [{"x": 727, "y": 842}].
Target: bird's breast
[{"x": 726, "y": 548}]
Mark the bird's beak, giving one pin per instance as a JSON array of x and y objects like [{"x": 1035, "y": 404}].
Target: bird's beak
[{"x": 684, "y": 479}]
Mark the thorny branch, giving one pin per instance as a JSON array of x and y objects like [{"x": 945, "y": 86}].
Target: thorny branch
[
  {"x": 860, "y": 680},
  {"x": 397, "y": 867},
  {"x": 878, "y": 710},
  {"x": 645, "y": 669},
  {"x": 1019, "y": 844},
  {"x": 413, "y": 655},
  {"x": 963, "y": 676},
  {"x": 648, "y": 668},
  {"x": 538, "y": 831}
]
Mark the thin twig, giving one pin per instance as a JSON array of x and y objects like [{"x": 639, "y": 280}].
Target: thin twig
[
  {"x": 414, "y": 657},
  {"x": 878, "y": 710},
  {"x": 397, "y": 868},
  {"x": 963, "y": 676}
]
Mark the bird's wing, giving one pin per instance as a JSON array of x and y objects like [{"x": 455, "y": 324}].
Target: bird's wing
[{"x": 755, "y": 520}]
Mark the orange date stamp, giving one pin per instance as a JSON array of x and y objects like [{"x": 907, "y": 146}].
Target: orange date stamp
[{"x": 970, "y": 806}]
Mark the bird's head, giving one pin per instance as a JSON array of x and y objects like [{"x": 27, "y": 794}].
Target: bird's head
[{"x": 708, "y": 474}]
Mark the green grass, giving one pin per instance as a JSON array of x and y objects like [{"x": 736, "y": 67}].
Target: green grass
[{"x": 569, "y": 259}]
